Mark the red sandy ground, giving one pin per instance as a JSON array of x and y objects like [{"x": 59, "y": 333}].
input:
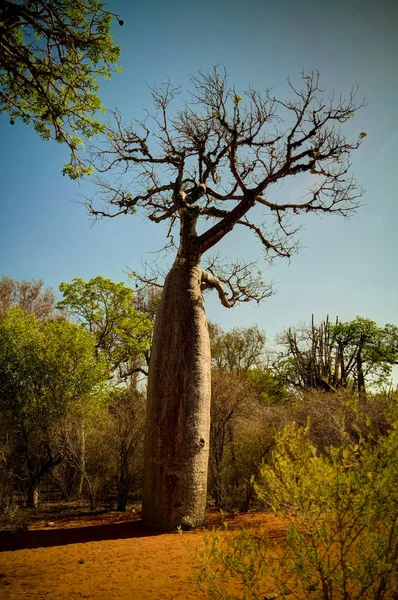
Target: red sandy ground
[{"x": 102, "y": 557}]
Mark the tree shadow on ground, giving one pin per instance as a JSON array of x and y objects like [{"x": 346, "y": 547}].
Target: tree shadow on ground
[{"x": 47, "y": 538}]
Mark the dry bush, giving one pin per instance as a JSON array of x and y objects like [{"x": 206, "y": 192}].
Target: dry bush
[
  {"x": 231, "y": 400},
  {"x": 124, "y": 440},
  {"x": 114, "y": 450},
  {"x": 102, "y": 452},
  {"x": 241, "y": 435},
  {"x": 243, "y": 430},
  {"x": 254, "y": 438},
  {"x": 334, "y": 416}
]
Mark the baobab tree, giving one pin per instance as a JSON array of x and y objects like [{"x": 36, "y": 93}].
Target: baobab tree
[{"x": 206, "y": 169}]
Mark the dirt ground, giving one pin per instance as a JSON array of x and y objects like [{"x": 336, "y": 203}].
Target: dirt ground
[{"x": 102, "y": 557}]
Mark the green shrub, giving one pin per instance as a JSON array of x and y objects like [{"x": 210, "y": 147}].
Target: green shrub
[{"x": 341, "y": 511}]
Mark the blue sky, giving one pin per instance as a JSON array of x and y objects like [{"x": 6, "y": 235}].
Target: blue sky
[{"x": 345, "y": 267}]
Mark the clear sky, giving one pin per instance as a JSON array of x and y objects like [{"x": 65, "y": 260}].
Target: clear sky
[{"x": 345, "y": 267}]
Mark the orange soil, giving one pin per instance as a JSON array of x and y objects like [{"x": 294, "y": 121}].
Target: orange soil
[{"x": 108, "y": 556}]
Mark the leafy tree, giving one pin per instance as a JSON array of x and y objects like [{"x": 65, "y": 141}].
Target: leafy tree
[
  {"x": 241, "y": 351},
  {"x": 328, "y": 357},
  {"x": 28, "y": 295},
  {"x": 365, "y": 352},
  {"x": 107, "y": 310},
  {"x": 266, "y": 386},
  {"x": 45, "y": 369},
  {"x": 206, "y": 170},
  {"x": 52, "y": 53}
]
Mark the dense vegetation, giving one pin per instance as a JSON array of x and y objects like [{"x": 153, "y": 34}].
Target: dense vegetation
[
  {"x": 72, "y": 394},
  {"x": 71, "y": 415},
  {"x": 341, "y": 513}
]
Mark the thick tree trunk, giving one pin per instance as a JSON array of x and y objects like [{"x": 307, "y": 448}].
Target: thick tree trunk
[
  {"x": 178, "y": 411},
  {"x": 33, "y": 499}
]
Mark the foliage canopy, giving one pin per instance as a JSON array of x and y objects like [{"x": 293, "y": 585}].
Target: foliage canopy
[
  {"x": 107, "y": 310},
  {"x": 52, "y": 53},
  {"x": 45, "y": 367}
]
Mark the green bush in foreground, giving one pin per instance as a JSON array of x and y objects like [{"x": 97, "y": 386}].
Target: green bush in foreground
[{"x": 342, "y": 526}]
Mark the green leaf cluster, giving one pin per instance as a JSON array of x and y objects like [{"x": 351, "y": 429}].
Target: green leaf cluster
[
  {"x": 46, "y": 368},
  {"x": 107, "y": 310},
  {"x": 341, "y": 514},
  {"x": 52, "y": 54},
  {"x": 267, "y": 387}
]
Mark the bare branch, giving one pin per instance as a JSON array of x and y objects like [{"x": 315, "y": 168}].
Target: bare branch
[
  {"x": 210, "y": 281},
  {"x": 216, "y": 158},
  {"x": 242, "y": 280}
]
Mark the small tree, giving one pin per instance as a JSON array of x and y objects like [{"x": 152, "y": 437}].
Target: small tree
[
  {"x": 345, "y": 355},
  {"x": 237, "y": 350},
  {"x": 45, "y": 368},
  {"x": 51, "y": 55},
  {"x": 73, "y": 437},
  {"x": 308, "y": 357},
  {"x": 230, "y": 400},
  {"x": 239, "y": 388},
  {"x": 127, "y": 411},
  {"x": 267, "y": 386},
  {"x": 212, "y": 165},
  {"x": 107, "y": 310},
  {"x": 365, "y": 352}
]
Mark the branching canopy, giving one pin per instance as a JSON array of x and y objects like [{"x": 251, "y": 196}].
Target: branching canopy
[{"x": 215, "y": 159}]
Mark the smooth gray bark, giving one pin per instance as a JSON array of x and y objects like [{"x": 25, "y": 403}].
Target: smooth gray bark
[{"x": 178, "y": 410}]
